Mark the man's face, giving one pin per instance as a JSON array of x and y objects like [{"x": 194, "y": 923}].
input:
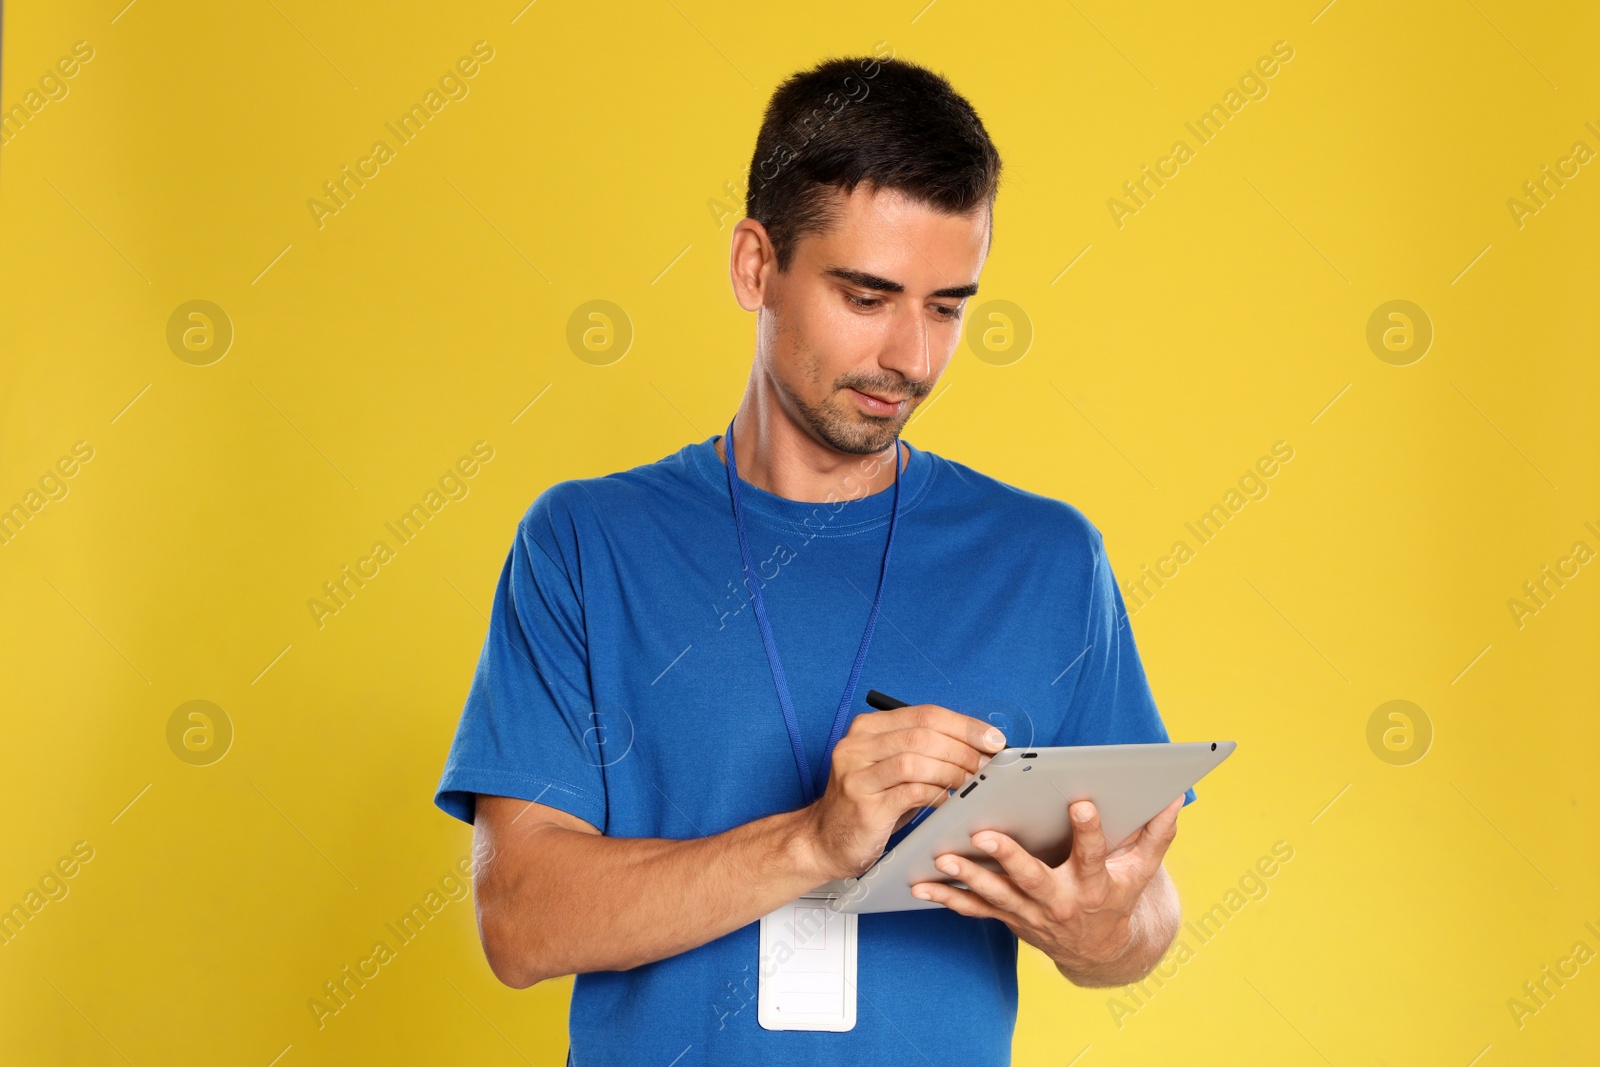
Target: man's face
[{"x": 870, "y": 309}]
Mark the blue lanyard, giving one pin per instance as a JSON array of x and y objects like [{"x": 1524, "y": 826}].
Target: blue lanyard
[{"x": 811, "y": 787}]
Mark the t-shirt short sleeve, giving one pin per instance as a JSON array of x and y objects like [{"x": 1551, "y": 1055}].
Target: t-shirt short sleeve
[
  {"x": 527, "y": 729},
  {"x": 1112, "y": 703}
]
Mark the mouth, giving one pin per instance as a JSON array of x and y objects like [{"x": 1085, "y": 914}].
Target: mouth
[{"x": 879, "y": 405}]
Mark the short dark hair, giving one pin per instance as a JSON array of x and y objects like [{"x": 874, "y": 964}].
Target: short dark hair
[{"x": 885, "y": 123}]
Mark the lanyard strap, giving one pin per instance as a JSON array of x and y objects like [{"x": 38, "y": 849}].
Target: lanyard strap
[{"x": 811, "y": 787}]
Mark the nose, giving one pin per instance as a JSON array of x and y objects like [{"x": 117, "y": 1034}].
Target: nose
[{"x": 906, "y": 350}]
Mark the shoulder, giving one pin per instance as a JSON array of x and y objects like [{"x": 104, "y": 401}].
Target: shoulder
[
  {"x": 569, "y": 512},
  {"x": 1021, "y": 513}
]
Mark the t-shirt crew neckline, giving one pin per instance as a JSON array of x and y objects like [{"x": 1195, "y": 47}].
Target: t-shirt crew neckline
[{"x": 843, "y": 517}]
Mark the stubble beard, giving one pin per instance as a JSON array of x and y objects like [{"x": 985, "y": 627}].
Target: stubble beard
[{"x": 837, "y": 421}]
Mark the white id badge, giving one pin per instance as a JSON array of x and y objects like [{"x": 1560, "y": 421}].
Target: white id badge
[{"x": 807, "y": 974}]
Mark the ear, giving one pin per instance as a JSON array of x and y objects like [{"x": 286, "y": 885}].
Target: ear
[{"x": 751, "y": 263}]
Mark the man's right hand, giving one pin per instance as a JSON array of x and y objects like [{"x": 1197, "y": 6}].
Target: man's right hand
[{"x": 888, "y": 764}]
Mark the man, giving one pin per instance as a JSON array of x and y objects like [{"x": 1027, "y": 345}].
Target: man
[{"x": 651, "y": 713}]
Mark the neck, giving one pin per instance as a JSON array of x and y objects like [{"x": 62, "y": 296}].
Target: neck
[{"x": 777, "y": 455}]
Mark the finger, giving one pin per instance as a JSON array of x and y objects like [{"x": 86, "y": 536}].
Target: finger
[
  {"x": 942, "y": 795},
  {"x": 910, "y": 767},
  {"x": 937, "y": 796},
  {"x": 928, "y": 743},
  {"x": 1127, "y": 844},
  {"x": 957, "y": 900},
  {"x": 910, "y": 797},
  {"x": 1088, "y": 857},
  {"x": 1156, "y": 836},
  {"x": 964, "y": 728},
  {"x": 1027, "y": 872},
  {"x": 993, "y": 887}
]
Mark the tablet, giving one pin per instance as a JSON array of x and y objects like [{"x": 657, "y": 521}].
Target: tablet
[{"x": 1024, "y": 793}]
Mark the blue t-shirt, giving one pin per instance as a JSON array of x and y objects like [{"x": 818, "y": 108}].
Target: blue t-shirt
[{"x": 623, "y": 680}]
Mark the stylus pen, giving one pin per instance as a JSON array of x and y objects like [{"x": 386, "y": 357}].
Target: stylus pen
[{"x": 883, "y": 701}]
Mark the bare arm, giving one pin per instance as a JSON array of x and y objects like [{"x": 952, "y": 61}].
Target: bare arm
[
  {"x": 558, "y": 898},
  {"x": 555, "y": 896}
]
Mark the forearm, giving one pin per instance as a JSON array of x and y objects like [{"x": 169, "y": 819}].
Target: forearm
[
  {"x": 577, "y": 902},
  {"x": 1151, "y": 926}
]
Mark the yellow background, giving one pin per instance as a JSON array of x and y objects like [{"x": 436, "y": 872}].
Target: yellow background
[{"x": 427, "y": 314}]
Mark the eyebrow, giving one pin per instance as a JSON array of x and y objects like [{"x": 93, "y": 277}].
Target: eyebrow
[{"x": 865, "y": 280}]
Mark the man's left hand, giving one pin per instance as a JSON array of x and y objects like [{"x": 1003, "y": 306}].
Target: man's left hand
[{"x": 1081, "y": 913}]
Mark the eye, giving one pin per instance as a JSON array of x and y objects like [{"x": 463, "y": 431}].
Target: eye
[
  {"x": 947, "y": 311},
  {"x": 863, "y": 302}
]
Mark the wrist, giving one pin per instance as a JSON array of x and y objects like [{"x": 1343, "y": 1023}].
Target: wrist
[
  {"x": 1112, "y": 964},
  {"x": 803, "y": 841},
  {"x": 1088, "y": 966}
]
